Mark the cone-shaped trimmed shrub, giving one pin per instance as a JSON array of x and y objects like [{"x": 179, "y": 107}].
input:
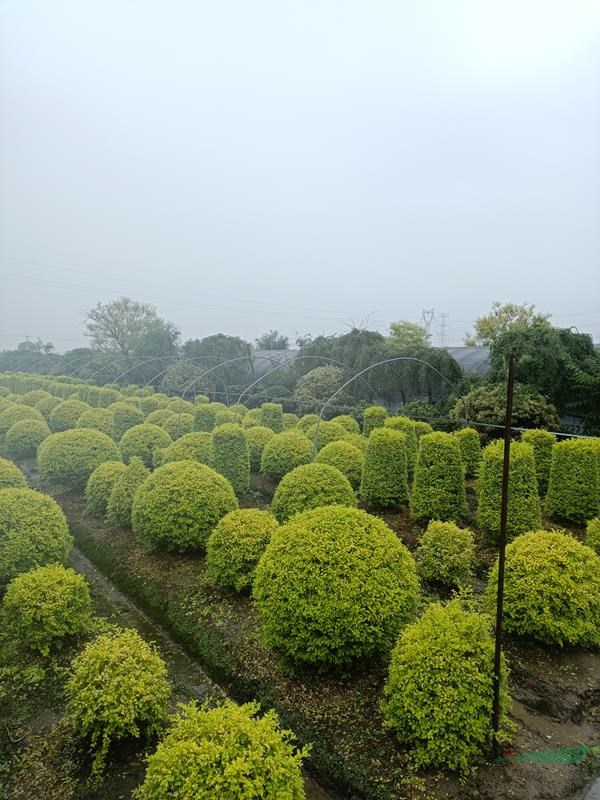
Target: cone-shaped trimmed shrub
[
  {"x": 384, "y": 480},
  {"x": 347, "y": 422},
  {"x": 311, "y": 486},
  {"x": 178, "y": 425},
  {"x": 438, "y": 696},
  {"x": 125, "y": 416},
  {"x": 101, "y": 419},
  {"x": 178, "y": 506},
  {"x": 15, "y": 413},
  {"x": 334, "y": 585},
  {"x": 439, "y": 484},
  {"x": 271, "y": 416},
  {"x": 252, "y": 418},
  {"x": 551, "y": 589},
  {"x": 65, "y": 415},
  {"x": 46, "y": 604},
  {"x": 523, "y": 500},
  {"x": 118, "y": 687},
  {"x": 231, "y": 457},
  {"x": 284, "y": 452},
  {"x": 470, "y": 449},
  {"x": 100, "y": 485},
  {"x": 228, "y": 747},
  {"x": 124, "y": 488},
  {"x": 159, "y": 416},
  {"x": 542, "y": 442},
  {"x": 142, "y": 441},
  {"x": 195, "y": 446},
  {"x": 406, "y": 426},
  {"x": 345, "y": 457},
  {"x": 592, "y": 535},
  {"x": 71, "y": 456},
  {"x": 257, "y": 437},
  {"x": 33, "y": 532},
  {"x": 235, "y": 547},
  {"x": 11, "y": 476},
  {"x": 574, "y": 485},
  {"x": 373, "y": 417},
  {"x": 446, "y": 554}
]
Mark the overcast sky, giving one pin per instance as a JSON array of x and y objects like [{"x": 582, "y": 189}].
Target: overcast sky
[{"x": 303, "y": 166}]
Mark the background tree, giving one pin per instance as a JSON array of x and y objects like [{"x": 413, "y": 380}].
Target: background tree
[
  {"x": 408, "y": 334},
  {"x": 36, "y": 346},
  {"x": 502, "y": 318},
  {"x": 117, "y": 325},
  {"x": 272, "y": 340},
  {"x": 217, "y": 349}
]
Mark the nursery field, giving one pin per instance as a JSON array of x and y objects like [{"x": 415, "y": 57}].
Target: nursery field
[{"x": 339, "y": 573}]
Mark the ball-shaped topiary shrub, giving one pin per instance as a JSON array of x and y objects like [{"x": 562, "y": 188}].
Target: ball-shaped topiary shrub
[
  {"x": 205, "y": 417},
  {"x": 523, "y": 500},
  {"x": 33, "y": 532},
  {"x": 347, "y": 422},
  {"x": 180, "y": 406},
  {"x": 34, "y": 396},
  {"x": 120, "y": 502},
  {"x": 422, "y": 428},
  {"x": 235, "y": 547},
  {"x": 592, "y": 534},
  {"x": 71, "y": 456},
  {"x": 46, "y": 405},
  {"x": 438, "y": 696},
  {"x": 574, "y": 484},
  {"x": 15, "y": 413},
  {"x": 551, "y": 589},
  {"x": 199, "y": 399},
  {"x": 225, "y": 416},
  {"x": 125, "y": 416},
  {"x": 159, "y": 416},
  {"x": 257, "y": 437},
  {"x": 231, "y": 456},
  {"x": 100, "y": 485},
  {"x": 178, "y": 506},
  {"x": 470, "y": 448},
  {"x": 24, "y": 437},
  {"x": 439, "y": 483},
  {"x": 118, "y": 687},
  {"x": 101, "y": 419},
  {"x": 178, "y": 425},
  {"x": 149, "y": 404},
  {"x": 227, "y": 752},
  {"x": 289, "y": 421},
  {"x": 271, "y": 416},
  {"x": 384, "y": 479},
  {"x": 11, "y": 476},
  {"x": 307, "y": 421},
  {"x": 253, "y": 418},
  {"x": 446, "y": 554},
  {"x": 45, "y": 605},
  {"x": 373, "y": 417},
  {"x": 406, "y": 426},
  {"x": 345, "y": 457},
  {"x": 542, "y": 442},
  {"x": 311, "y": 486},
  {"x": 65, "y": 415},
  {"x": 328, "y": 432},
  {"x": 284, "y": 452},
  {"x": 195, "y": 446},
  {"x": 335, "y": 584},
  {"x": 142, "y": 441}
]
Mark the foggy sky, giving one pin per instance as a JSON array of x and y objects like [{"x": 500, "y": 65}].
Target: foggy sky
[{"x": 303, "y": 166}]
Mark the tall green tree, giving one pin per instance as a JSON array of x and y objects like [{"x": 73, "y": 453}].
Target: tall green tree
[
  {"x": 272, "y": 340},
  {"x": 408, "y": 334},
  {"x": 504, "y": 317},
  {"x": 211, "y": 351},
  {"x": 115, "y": 326}
]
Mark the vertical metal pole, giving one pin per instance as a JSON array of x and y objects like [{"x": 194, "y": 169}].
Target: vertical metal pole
[{"x": 502, "y": 554}]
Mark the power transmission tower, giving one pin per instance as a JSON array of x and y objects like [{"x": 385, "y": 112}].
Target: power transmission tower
[
  {"x": 444, "y": 316},
  {"x": 427, "y": 317}
]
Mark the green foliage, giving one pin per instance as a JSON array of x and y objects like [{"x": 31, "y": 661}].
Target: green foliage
[
  {"x": 10, "y": 475},
  {"x": 542, "y": 443},
  {"x": 99, "y": 418},
  {"x": 345, "y": 457},
  {"x": 592, "y": 535},
  {"x": 159, "y": 416},
  {"x": 45, "y": 406},
  {"x": 272, "y": 416},
  {"x": 125, "y": 416},
  {"x": 283, "y": 452},
  {"x": 227, "y": 753},
  {"x": 311, "y": 486},
  {"x": 408, "y": 334},
  {"x": 252, "y": 418},
  {"x": 16, "y": 413},
  {"x": 149, "y": 404},
  {"x": 505, "y": 318},
  {"x": 438, "y": 696},
  {"x": 195, "y": 446},
  {"x": 318, "y": 385},
  {"x": 347, "y": 422},
  {"x": 33, "y": 397},
  {"x": 205, "y": 417},
  {"x": 439, "y": 485},
  {"x": 118, "y": 687},
  {"x": 384, "y": 479},
  {"x": 120, "y": 502},
  {"x": 226, "y": 416},
  {"x": 470, "y": 449},
  {"x": 71, "y": 456},
  {"x": 100, "y": 485},
  {"x": 180, "y": 406},
  {"x": 46, "y": 604},
  {"x": 231, "y": 457},
  {"x": 407, "y": 427},
  {"x": 574, "y": 484},
  {"x": 306, "y": 422},
  {"x": 143, "y": 441},
  {"x": 446, "y": 554},
  {"x": 523, "y": 500},
  {"x": 178, "y": 506},
  {"x": 334, "y": 585},
  {"x": 257, "y": 437},
  {"x": 33, "y": 532},
  {"x": 235, "y": 546},
  {"x": 178, "y": 425},
  {"x": 422, "y": 428},
  {"x": 65, "y": 415},
  {"x": 289, "y": 421},
  {"x": 488, "y": 404},
  {"x": 329, "y": 431},
  {"x": 551, "y": 589}
]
